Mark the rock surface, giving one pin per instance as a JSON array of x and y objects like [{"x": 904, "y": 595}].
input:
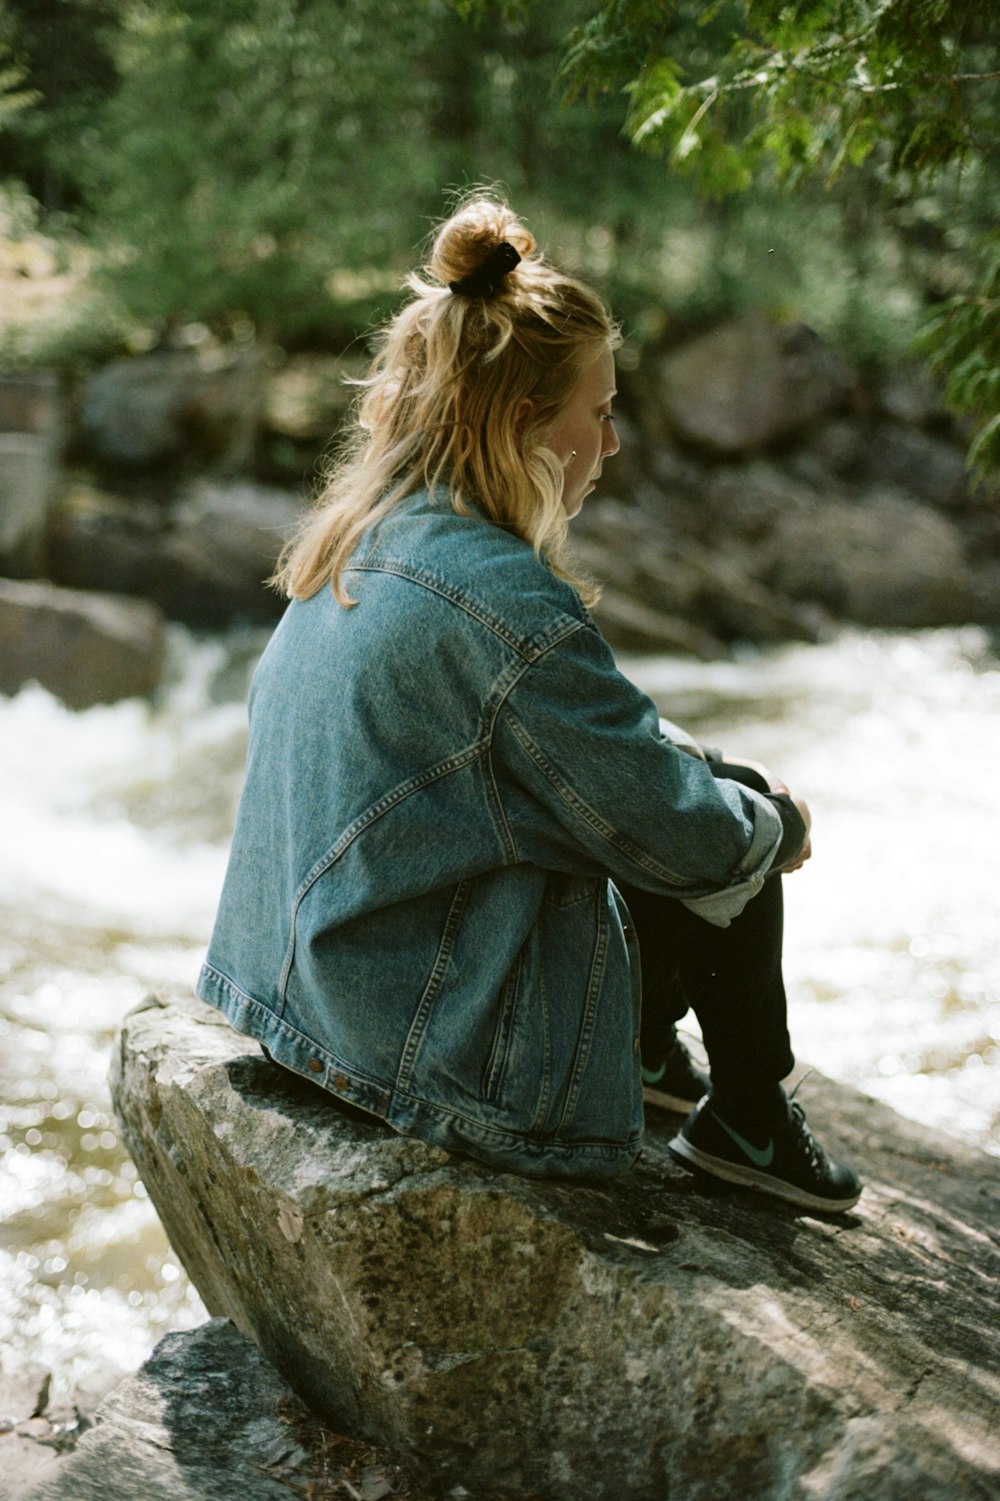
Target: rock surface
[
  {"x": 205, "y": 1419},
  {"x": 174, "y": 408},
  {"x": 85, "y": 648},
  {"x": 30, "y": 439},
  {"x": 31, "y": 402},
  {"x": 748, "y": 384},
  {"x": 633, "y": 1340},
  {"x": 27, "y": 484},
  {"x": 203, "y": 560},
  {"x": 34, "y": 1435}
]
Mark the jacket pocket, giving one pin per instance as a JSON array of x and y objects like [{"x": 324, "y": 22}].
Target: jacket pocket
[
  {"x": 496, "y": 1063},
  {"x": 567, "y": 890}
]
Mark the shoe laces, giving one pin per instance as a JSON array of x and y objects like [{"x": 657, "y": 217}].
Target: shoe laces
[
  {"x": 815, "y": 1155},
  {"x": 800, "y": 1084}
]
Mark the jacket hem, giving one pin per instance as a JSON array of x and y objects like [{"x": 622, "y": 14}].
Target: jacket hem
[{"x": 410, "y": 1114}]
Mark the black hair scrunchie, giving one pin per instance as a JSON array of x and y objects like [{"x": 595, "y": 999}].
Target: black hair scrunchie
[{"x": 486, "y": 279}]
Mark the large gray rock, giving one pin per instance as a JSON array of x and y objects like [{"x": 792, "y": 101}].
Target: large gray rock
[
  {"x": 878, "y": 558},
  {"x": 205, "y": 1419},
  {"x": 887, "y": 562},
  {"x": 176, "y": 408},
  {"x": 748, "y": 384},
  {"x": 920, "y": 464},
  {"x": 31, "y": 402},
  {"x": 630, "y": 625},
  {"x": 223, "y": 546},
  {"x": 203, "y": 559},
  {"x": 627, "y": 1340},
  {"x": 85, "y": 648},
  {"x": 27, "y": 485},
  {"x": 30, "y": 437},
  {"x": 664, "y": 591}
]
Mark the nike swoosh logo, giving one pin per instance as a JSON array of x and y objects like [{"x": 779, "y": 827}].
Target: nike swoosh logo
[
  {"x": 759, "y": 1156},
  {"x": 649, "y": 1077}
]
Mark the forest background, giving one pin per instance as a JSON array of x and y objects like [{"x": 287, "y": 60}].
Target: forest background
[
  {"x": 263, "y": 171},
  {"x": 201, "y": 202}
]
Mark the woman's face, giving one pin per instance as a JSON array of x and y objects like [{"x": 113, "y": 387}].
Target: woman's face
[{"x": 583, "y": 435}]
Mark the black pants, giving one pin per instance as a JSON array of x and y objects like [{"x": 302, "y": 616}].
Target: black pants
[{"x": 730, "y": 977}]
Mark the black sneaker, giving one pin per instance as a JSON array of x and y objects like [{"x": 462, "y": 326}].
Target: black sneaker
[
  {"x": 672, "y": 1079},
  {"x": 791, "y": 1164}
]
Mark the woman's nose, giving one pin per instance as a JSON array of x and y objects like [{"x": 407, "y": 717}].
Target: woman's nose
[{"x": 611, "y": 440}]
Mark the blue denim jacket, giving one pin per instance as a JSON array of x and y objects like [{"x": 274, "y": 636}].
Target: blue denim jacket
[{"x": 442, "y": 784}]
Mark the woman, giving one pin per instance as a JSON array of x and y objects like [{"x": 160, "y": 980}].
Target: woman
[{"x": 450, "y": 788}]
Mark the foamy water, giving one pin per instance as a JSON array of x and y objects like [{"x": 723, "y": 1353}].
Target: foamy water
[
  {"x": 116, "y": 823},
  {"x": 892, "y": 938}
]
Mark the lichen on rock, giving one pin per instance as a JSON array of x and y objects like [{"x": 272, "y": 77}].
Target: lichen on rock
[{"x": 586, "y": 1341}]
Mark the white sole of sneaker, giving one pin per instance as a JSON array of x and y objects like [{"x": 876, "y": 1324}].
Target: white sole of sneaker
[{"x": 748, "y": 1177}]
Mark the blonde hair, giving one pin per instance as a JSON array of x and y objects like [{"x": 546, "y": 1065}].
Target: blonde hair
[{"x": 462, "y": 393}]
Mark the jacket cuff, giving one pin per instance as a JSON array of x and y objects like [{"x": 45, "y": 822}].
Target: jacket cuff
[
  {"x": 794, "y": 830},
  {"x": 720, "y": 907}
]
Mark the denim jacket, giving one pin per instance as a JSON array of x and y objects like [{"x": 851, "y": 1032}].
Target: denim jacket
[{"x": 442, "y": 784}]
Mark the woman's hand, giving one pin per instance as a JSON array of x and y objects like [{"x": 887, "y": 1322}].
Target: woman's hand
[
  {"x": 805, "y": 853},
  {"x": 775, "y": 784}
]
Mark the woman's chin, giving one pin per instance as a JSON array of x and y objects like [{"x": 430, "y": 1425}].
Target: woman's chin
[{"x": 573, "y": 504}]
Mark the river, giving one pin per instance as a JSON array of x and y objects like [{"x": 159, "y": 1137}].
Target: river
[{"x": 115, "y": 825}]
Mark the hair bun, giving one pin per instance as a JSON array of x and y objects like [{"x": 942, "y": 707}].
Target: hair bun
[
  {"x": 485, "y": 280},
  {"x": 474, "y": 236}
]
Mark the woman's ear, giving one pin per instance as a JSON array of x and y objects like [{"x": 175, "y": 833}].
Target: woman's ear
[{"x": 524, "y": 411}]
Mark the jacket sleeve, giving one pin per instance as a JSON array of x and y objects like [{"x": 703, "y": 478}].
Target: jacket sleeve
[{"x": 593, "y": 784}]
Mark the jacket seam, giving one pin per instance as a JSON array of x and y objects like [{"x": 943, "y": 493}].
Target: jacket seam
[
  {"x": 588, "y": 815},
  {"x": 588, "y": 1017},
  {"x": 530, "y": 650},
  {"x": 364, "y": 821},
  {"x": 218, "y": 978},
  {"x": 491, "y": 734},
  {"x": 496, "y": 1063},
  {"x": 418, "y": 1027}
]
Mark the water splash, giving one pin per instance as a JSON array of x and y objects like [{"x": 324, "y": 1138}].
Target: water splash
[{"x": 117, "y": 821}]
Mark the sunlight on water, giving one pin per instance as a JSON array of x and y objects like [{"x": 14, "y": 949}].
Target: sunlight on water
[
  {"x": 893, "y": 945},
  {"x": 117, "y": 822}
]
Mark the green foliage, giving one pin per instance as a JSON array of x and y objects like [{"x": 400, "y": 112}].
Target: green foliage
[
  {"x": 797, "y": 89},
  {"x": 251, "y": 148},
  {"x": 14, "y": 98},
  {"x": 62, "y": 49},
  {"x": 901, "y": 92},
  {"x": 277, "y": 160},
  {"x": 312, "y": 147},
  {"x": 963, "y": 341},
  {"x": 268, "y": 166}
]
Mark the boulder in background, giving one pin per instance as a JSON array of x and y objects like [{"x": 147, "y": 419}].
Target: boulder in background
[
  {"x": 749, "y": 384},
  {"x": 85, "y": 648},
  {"x": 30, "y": 440},
  {"x": 178, "y": 408},
  {"x": 28, "y": 480},
  {"x": 205, "y": 1419},
  {"x": 203, "y": 560}
]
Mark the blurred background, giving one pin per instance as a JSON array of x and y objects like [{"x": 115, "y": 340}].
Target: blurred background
[{"x": 205, "y": 210}]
